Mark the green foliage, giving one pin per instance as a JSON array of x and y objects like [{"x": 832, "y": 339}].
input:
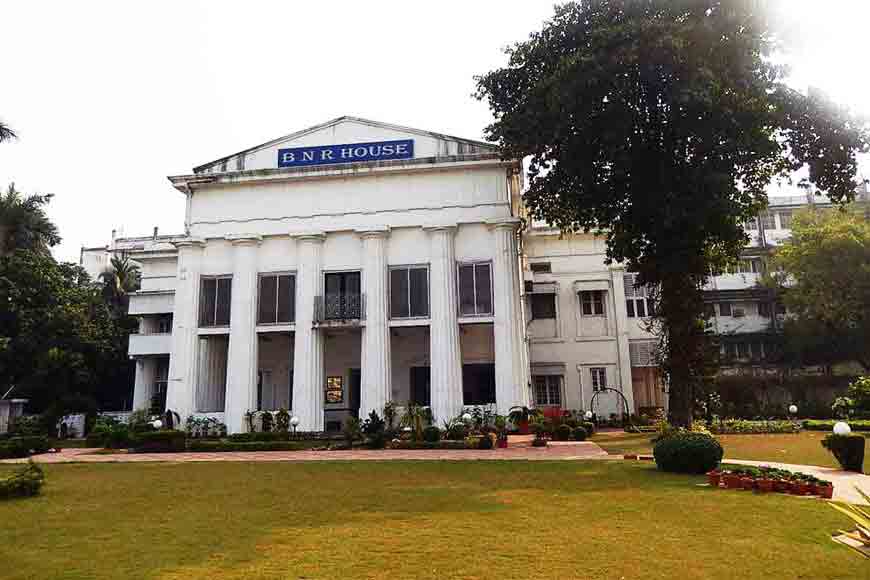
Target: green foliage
[
  {"x": 351, "y": 430},
  {"x": 24, "y": 223},
  {"x": 579, "y": 434},
  {"x": 164, "y": 441},
  {"x": 859, "y": 395},
  {"x": 28, "y": 425},
  {"x": 14, "y": 447},
  {"x": 519, "y": 415},
  {"x": 828, "y": 425},
  {"x": 823, "y": 274},
  {"x": 432, "y": 434},
  {"x": 563, "y": 432},
  {"x": 589, "y": 426},
  {"x": 375, "y": 430},
  {"x": 658, "y": 125},
  {"x": 266, "y": 421},
  {"x": 200, "y": 427},
  {"x": 847, "y": 449},
  {"x": 282, "y": 420},
  {"x": 687, "y": 452},
  {"x": 742, "y": 426},
  {"x": 108, "y": 432},
  {"x": 455, "y": 430},
  {"x": 24, "y": 482},
  {"x": 416, "y": 417},
  {"x": 205, "y": 445}
]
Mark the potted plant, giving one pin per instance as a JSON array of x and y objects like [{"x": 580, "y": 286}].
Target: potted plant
[
  {"x": 765, "y": 484},
  {"x": 824, "y": 489},
  {"x": 731, "y": 479},
  {"x": 521, "y": 417},
  {"x": 501, "y": 430},
  {"x": 747, "y": 482}
]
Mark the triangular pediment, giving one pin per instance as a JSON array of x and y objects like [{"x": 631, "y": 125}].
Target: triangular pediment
[{"x": 347, "y": 140}]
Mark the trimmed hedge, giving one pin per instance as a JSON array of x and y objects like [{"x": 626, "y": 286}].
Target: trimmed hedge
[
  {"x": 23, "y": 482},
  {"x": 23, "y": 446},
  {"x": 579, "y": 434},
  {"x": 282, "y": 436},
  {"x": 164, "y": 441},
  {"x": 848, "y": 449},
  {"x": 743, "y": 426},
  {"x": 205, "y": 445},
  {"x": 828, "y": 425},
  {"x": 443, "y": 444},
  {"x": 431, "y": 434},
  {"x": 563, "y": 432},
  {"x": 688, "y": 452}
]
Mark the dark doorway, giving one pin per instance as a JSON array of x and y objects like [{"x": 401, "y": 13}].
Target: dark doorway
[
  {"x": 353, "y": 392},
  {"x": 478, "y": 384},
  {"x": 421, "y": 386}
]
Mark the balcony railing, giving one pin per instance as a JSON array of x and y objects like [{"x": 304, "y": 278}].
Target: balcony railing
[{"x": 339, "y": 308}]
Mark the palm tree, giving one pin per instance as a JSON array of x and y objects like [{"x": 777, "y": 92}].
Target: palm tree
[
  {"x": 24, "y": 225},
  {"x": 119, "y": 280},
  {"x": 6, "y": 132}
]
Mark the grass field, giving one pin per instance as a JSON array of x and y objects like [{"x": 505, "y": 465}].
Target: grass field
[
  {"x": 590, "y": 519},
  {"x": 803, "y": 448}
]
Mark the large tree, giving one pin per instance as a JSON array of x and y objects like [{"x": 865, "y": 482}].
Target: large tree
[
  {"x": 658, "y": 124},
  {"x": 823, "y": 272},
  {"x": 6, "y": 132},
  {"x": 119, "y": 280},
  {"x": 24, "y": 223}
]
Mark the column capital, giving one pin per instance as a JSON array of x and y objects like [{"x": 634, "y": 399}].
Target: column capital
[
  {"x": 373, "y": 232},
  {"x": 313, "y": 237},
  {"x": 449, "y": 228},
  {"x": 511, "y": 223},
  {"x": 244, "y": 239},
  {"x": 195, "y": 243}
]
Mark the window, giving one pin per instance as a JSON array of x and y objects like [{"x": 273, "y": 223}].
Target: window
[
  {"x": 420, "y": 386},
  {"x": 478, "y": 384},
  {"x": 592, "y": 302},
  {"x": 277, "y": 299},
  {"x": 768, "y": 221},
  {"x": 599, "y": 378},
  {"x": 541, "y": 267},
  {"x": 334, "y": 389},
  {"x": 164, "y": 324},
  {"x": 409, "y": 292},
  {"x": 751, "y": 225},
  {"x": 343, "y": 300},
  {"x": 548, "y": 390},
  {"x": 214, "y": 301},
  {"x": 764, "y": 309},
  {"x": 642, "y": 353},
  {"x": 475, "y": 289},
  {"x": 749, "y": 266},
  {"x": 543, "y": 305},
  {"x": 785, "y": 219},
  {"x": 724, "y": 309},
  {"x": 637, "y": 301}
]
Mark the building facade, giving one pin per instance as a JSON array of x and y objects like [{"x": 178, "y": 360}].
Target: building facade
[{"x": 354, "y": 263}]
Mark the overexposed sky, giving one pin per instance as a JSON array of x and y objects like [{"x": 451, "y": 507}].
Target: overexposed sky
[{"x": 110, "y": 97}]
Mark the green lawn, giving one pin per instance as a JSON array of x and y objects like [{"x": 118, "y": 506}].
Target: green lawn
[
  {"x": 590, "y": 519},
  {"x": 803, "y": 448}
]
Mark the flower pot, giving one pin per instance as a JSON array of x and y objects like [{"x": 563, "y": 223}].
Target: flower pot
[
  {"x": 731, "y": 480},
  {"x": 804, "y": 488},
  {"x": 523, "y": 427},
  {"x": 825, "y": 491},
  {"x": 502, "y": 443},
  {"x": 713, "y": 478},
  {"x": 765, "y": 485},
  {"x": 782, "y": 486},
  {"x": 747, "y": 483}
]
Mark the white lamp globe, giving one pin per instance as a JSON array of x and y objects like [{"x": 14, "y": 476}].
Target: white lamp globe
[
  {"x": 792, "y": 409},
  {"x": 842, "y": 428},
  {"x": 157, "y": 423},
  {"x": 466, "y": 417},
  {"x": 294, "y": 420},
  {"x": 588, "y": 415}
]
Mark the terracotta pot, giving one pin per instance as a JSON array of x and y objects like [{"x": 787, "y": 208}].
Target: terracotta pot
[
  {"x": 805, "y": 488},
  {"x": 502, "y": 443},
  {"x": 713, "y": 478},
  {"x": 731, "y": 480},
  {"x": 747, "y": 483},
  {"x": 765, "y": 485},
  {"x": 781, "y": 485},
  {"x": 523, "y": 426},
  {"x": 796, "y": 488},
  {"x": 825, "y": 491}
]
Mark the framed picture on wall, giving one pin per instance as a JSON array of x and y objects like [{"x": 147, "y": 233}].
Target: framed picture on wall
[{"x": 334, "y": 389}]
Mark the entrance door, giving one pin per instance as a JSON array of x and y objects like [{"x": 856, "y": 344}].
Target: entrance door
[
  {"x": 342, "y": 300},
  {"x": 353, "y": 392},
  {"x": 420, "y": 386}
]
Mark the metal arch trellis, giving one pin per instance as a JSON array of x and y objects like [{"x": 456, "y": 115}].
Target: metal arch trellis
[{"x": 600, "y": 390}]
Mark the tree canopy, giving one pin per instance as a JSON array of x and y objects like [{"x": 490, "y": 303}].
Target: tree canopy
[
  {"x": 823, "y": 272},
  {"x": 24, "y": 223},
  {"x": 658, "y": 124}
]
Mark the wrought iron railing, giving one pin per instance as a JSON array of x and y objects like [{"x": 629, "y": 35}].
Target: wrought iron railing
[{"x": 339, "y": 307}]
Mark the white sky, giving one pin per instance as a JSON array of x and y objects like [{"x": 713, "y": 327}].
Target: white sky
[{"x": 108, "y": 98}]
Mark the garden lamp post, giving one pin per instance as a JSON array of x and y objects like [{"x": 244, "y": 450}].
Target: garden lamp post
[
  {"x": 157, "y": 423},
  {"x": 792, "y": 409},
  {"x": 842, "y": 428},
  {"x": 294, "y": 422},
  {"x": 466, "y": 417},
  {"x": 588, "y": 415}
]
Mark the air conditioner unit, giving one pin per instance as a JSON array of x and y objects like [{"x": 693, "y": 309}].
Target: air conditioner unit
[{"x": 738, "y": 312}]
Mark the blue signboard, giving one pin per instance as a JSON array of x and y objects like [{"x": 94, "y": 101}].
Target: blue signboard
[{"x": 346, "y": 153}]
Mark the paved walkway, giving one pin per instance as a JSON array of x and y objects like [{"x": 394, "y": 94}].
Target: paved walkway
[
  {"x": 555, "y": 451},
  {"x": 844, "y": 481}
]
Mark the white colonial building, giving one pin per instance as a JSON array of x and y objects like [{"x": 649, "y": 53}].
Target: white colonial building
[{"x": 354, "y": 263}]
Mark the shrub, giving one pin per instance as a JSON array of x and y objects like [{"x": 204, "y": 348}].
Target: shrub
[
  {"x": 486, "y": 442},
  {"x": 282, "y": 420},
  {"x": 165, "y": 441},
  {"x": 432, "y": 434},
  {"x": 848, "y": 449},
  {"x": 198, "y": 445},
  {"x": 23, "y": 482},
  {"x": 563, "y": 432},
  {"x": 457, "y": 432},
  {"x": 351, "y": 430},
  {"x": 23, "y": 446},
  {"x": 743, "y": 426},
  {"x": 828, "y": 425},
  {"x": 539, "y": 442},
  {"x": 375, "y": 429},
  {"x": 579, "y": 434},
  {"x": 589, "y": 426},
  {"x": 266, "y": 421},
  {"x": 443, "y": 444},
  {"x": 28, "y": 425},
  {"x": 687, "y": 452}
]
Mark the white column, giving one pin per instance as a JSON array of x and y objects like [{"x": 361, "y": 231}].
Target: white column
[
  {"x": 623, "y": 362},
  {"x": 511, "y": 362},
  {"x": 308, "y": 381},
  {"x": 143, "y": 384},
  {"x": 376, "y": 361},
  {"x": 241, "y": 386},
  {"x": 444, "y": 351},
  {"x": 181, "y": 387}
]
